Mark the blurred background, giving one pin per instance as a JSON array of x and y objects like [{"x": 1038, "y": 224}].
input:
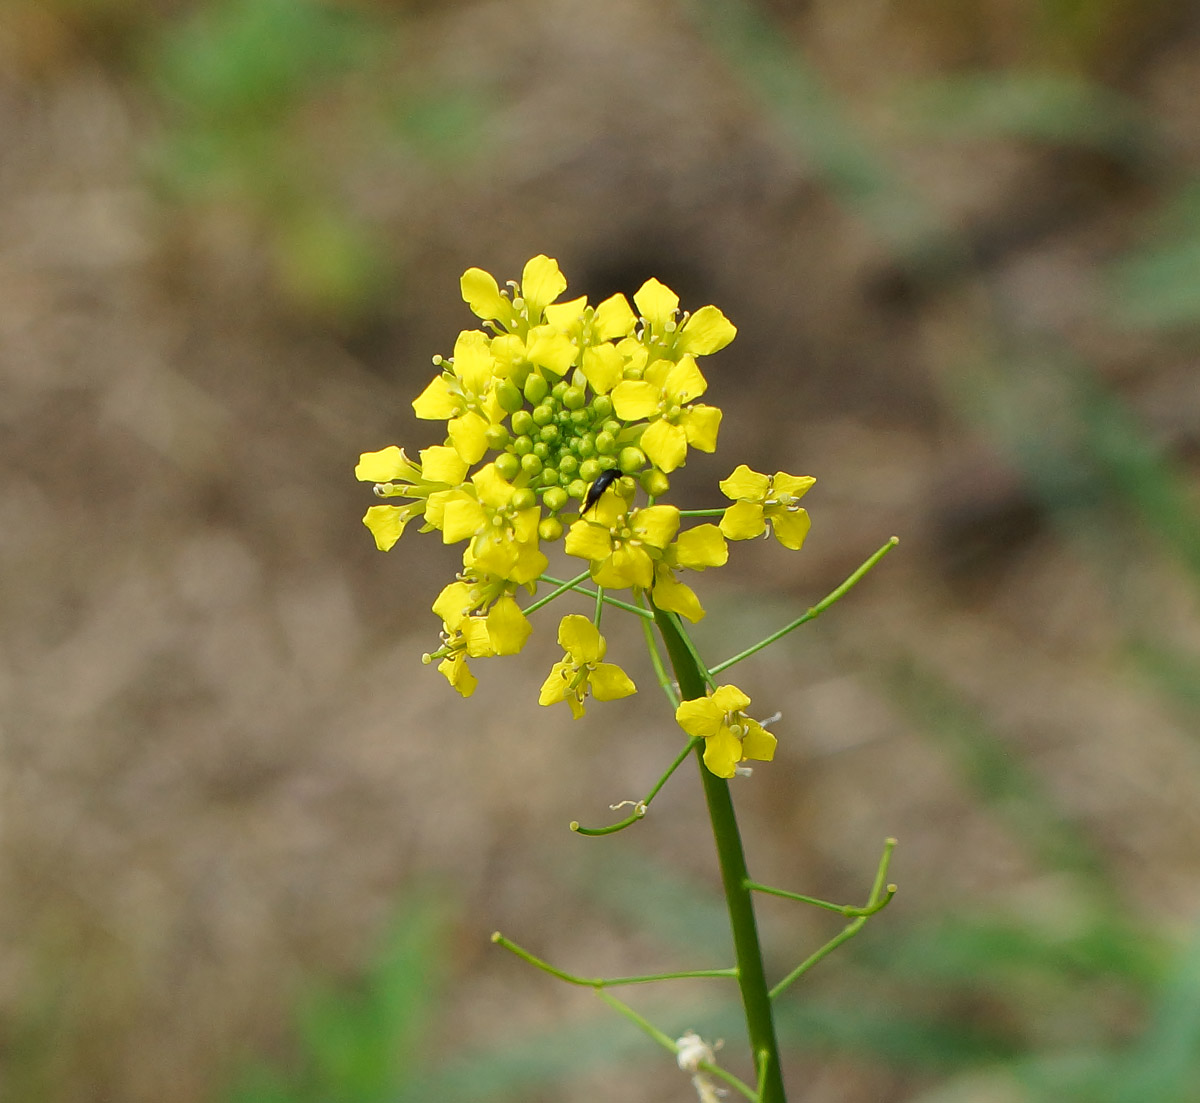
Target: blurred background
[{"x": 251, "y": 850}]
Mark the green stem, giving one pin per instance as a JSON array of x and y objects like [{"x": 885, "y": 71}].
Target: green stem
[
  {"x": 693, "y": 680},
  {"x": 812, "y": 613},
  {"x": 881, "y": 894},
  {"x": 575, "y": 584}
]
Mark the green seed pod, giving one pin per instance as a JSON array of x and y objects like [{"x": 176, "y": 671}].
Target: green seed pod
[
  {"x": 536, "y": 388},
  {"x": 508, "y": 394},
  {"x": 631, "y": 460},
  {"x": 522, "y": 423},
  {"x": 531, "y": 465},
  {"x": 550, "y": 528},
  {"x": 523, "y": 445},
  {"x": 555, "y": 498},
  {"x": 524, "y": 499},
  {"x": 507, "y": 465},
  {"x": 655, "y": 483}
]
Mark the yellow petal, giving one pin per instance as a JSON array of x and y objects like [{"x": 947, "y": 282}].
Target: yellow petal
[
  {"x": 566, "y": 315},
  {"x": 588, "y": 541},
  {"x": 580, "y": 639},
  {"x": 491, "y": 487},
  {"x": 541, "y": 284},
  {"x": 701, "y": 423},
  {"x": 794, "y": 486},
  {"x": 665, "y": 444},
  {"x": 479, "y": 642},
  {"x": 459, "y": 675},
  {"x": 745, "y": 485},
  {"x": 699, "y": 717},
  {"x": 453, "y": 604},
  {"x": 602, "y": 366},
  {"x": 700, "y": 547},
  {"x": 685, "y": 382},
  {"x": 613, "y": 318},
  {"x": 627, "y": 566},
  {"x": 463, "y": 518},
  {"x": 758, "y": 743},
  {"x": 634, "y": 399},
  {"x": 482, "y": 294},
  {"x": 529, "y": 564},
  {"x": 386, "y": 524},
  {"x": 743, "y": 521},
  {"x": 791, "y": 527},
  {"x": 675, "y": 596},
  {"x": 609, "y": 682},
  {"x": 442, "y": 464},
  {"x": 729, "y": 698},
  {"x": 551, "y": 350},
  {"x": 437, "y": 402},
  {"x": 554, "y": 688},
  {"x": 473, "y": 360},
  {"x": 657, "y": 525},
  {"x": 468, "y": 434},
  {"x": 508, "y": 627},
  {"x": 385, "y": 465},
  {"x": 708, "y": 330},
  {"x": 657, "y": 303},
  {"x": 722, "y": 753}
]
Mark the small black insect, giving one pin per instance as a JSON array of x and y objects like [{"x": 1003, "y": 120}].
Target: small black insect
[{"x": 603, "y": 481}]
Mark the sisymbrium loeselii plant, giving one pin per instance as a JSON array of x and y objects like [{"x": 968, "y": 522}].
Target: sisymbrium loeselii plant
[{"x": 564, "y": 421}]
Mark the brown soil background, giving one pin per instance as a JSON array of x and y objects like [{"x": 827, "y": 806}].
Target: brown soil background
[{"x": 222, "y": 764}]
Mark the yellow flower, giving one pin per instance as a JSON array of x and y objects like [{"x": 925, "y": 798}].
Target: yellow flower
[
  {"x": 470, "y": 638},
  {"x": 500, "y": 521},
  {"x": 762, "y": 500},
  {"x": 396, "y": 476},
  {"x": 730, "y": 735},
  {"x": 581, "y": 670},
  {"x": 507, "y": 626},
  {"x": 663, "y": 396},
  {"x": 708, "y": 330},
  {"x": 697, "y": 548},
  {"x": 621, "y": 545},
  {"x": 464, "y": 396},
  {"x": 541, "y": 284}
]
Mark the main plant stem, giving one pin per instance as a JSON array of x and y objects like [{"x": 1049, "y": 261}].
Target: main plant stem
[{"x": 751, "y": 977}]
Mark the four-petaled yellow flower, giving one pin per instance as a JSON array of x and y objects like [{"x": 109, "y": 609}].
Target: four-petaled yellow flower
[
  {"x": 664, "y": 397},
  {"x": 762, "y": 500},
  {"x": 581, "y": 670},
  {"x": 622, "y": 544},
  {"x": 730, "y": 736},
  {"x": 396, "y": 476}
]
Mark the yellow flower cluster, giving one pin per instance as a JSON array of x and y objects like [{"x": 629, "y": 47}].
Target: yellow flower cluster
[{"x": 557, "y": 414}]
